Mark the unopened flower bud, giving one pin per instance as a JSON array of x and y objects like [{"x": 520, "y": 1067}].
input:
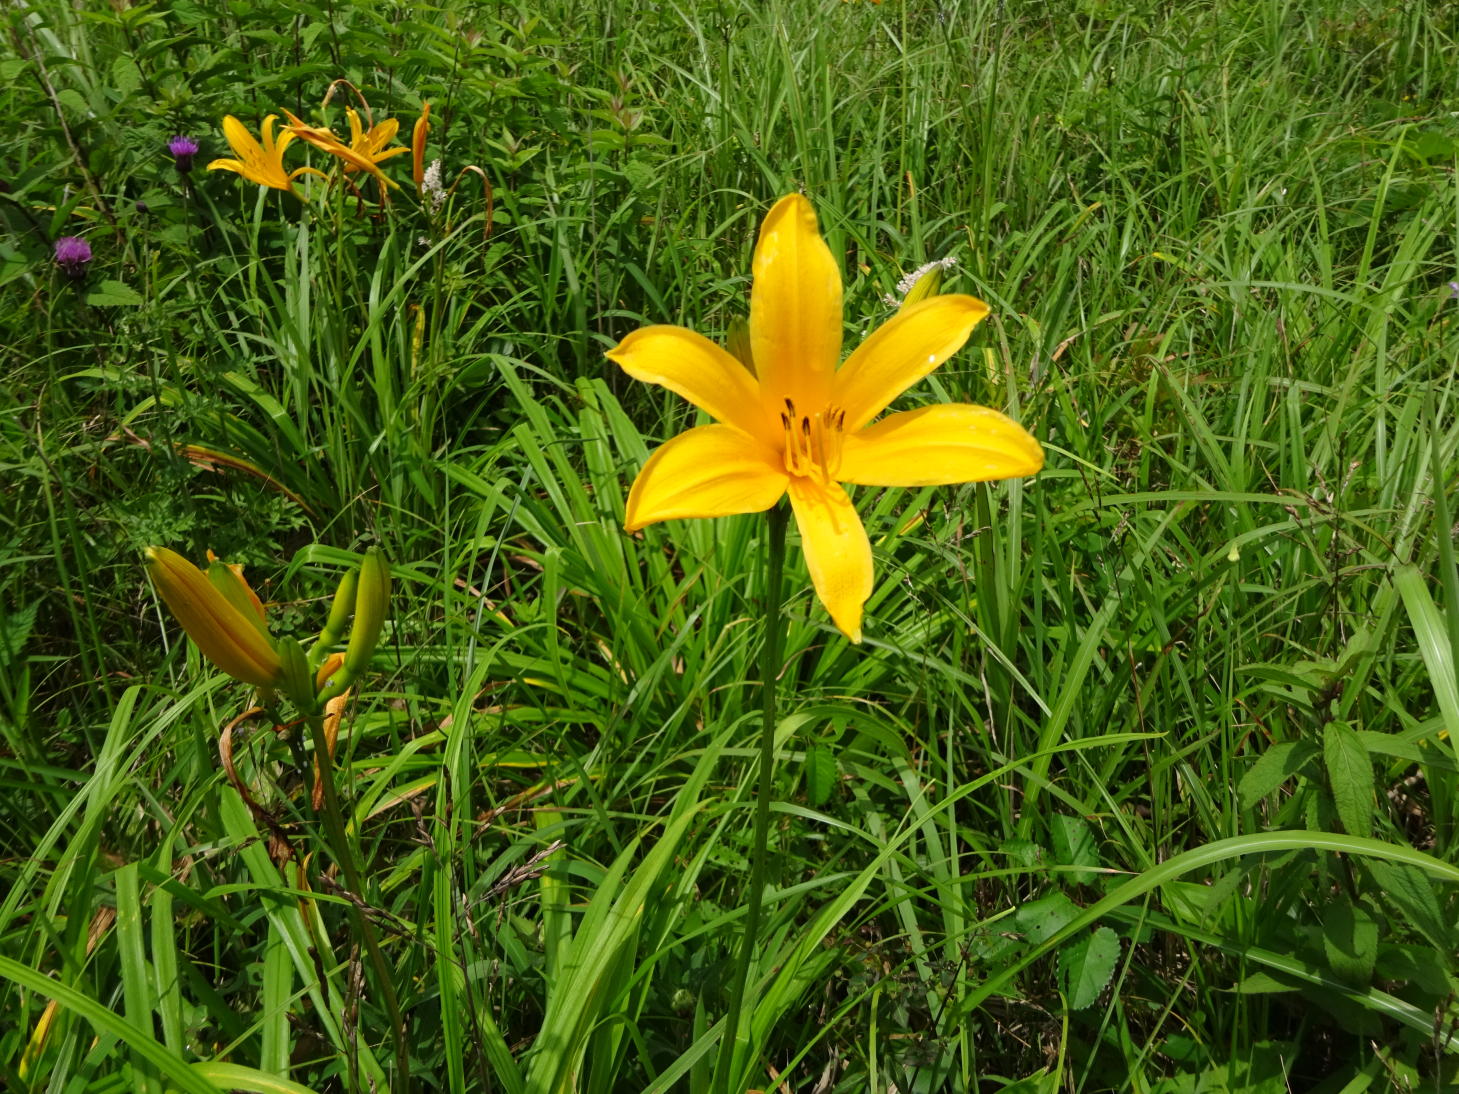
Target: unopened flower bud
[{"x": 225, "y": 633}]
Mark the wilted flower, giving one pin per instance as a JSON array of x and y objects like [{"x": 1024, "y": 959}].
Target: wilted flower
[
  {"x": 73, "y": 256},
  {"x": 183, "y": 150}
]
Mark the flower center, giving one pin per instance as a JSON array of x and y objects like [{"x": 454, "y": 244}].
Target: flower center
[{"x": 813, "y": 442}]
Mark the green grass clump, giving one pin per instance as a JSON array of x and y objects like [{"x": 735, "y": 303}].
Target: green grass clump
[{"x": 1144, "y": 777}]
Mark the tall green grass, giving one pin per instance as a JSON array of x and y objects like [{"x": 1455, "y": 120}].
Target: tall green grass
[{"x": 1143, "y": 777}]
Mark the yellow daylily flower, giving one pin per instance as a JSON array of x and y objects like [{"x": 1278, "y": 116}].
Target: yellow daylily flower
[
  {"x": 366, "y": 148},
  {"x": 263, "y": 164},
  {"x": 799, "y": 424},
  {"x": 220, "y": 622}
]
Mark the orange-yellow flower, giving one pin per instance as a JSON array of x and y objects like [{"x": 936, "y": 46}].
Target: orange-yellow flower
[
  {"x": 220, "y": 613},
  {"x": 418, "y": 145},
  {"x": 260, "y": 163},
  {"x": 366, "y": 149},
  {"x": 799, "y": 424}
]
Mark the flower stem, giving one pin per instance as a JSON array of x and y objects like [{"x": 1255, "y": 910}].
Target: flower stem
[
  {"x": 364, "y": 929},
  {"x": 734, "y": 1036}
]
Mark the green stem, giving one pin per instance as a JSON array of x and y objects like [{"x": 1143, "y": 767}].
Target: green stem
[
  {"x": 734, "y": 1037},
  {"x": 364, "y": 930}
]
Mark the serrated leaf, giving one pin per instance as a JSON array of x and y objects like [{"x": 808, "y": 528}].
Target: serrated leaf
[
  {"x": 1350, "y": 774},
  {"x": 126, "y": 76},
  {"x": 820, "y": 774},
  {"x": 1074, "y": 845},
  {"x": 114, "y": 294},
  {"x": 1021, "y": 852},
  {"x": 1263, "y": 983},
  {"x": 1041, "y": 919},
  {"x": 1413, "y": 892},
  {"x": 1087, "y": 966},
  {"x": 74, "y": 101},
  {"x": 15, "y": 628},
  {"x": 1273, "y": 767},
  {"x": 1350, "y": 941}
]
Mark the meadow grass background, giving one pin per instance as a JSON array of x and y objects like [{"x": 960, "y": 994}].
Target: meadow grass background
[{"x": 1143, "y": 779}]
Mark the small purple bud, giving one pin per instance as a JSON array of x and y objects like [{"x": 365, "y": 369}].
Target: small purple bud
[
  {"x": 143, "y": 207},
  {"x": 1454, "y": 290},
  {"x": 183, "y": 150},
  {"x": 73, "y": 255}
]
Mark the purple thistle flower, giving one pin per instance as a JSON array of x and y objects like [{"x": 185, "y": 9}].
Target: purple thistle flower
[
  {"x": 183, "y": 150},
  {"x": 73, "y": 255}
]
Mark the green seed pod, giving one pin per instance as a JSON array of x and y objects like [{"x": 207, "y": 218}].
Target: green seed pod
[
  {"x": 298, "y": 681},
  {"x": 372, "y": 604}
]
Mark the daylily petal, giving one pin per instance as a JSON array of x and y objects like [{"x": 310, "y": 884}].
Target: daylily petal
[
  {"x": 837, "y": 552},
  {"x": 901, "y": 351},
  {"x": 690, "y": 365},
  {"x": 795, "y": 309},
  {"x": 230, "y": 165},
  {"x": 709, "y": 471},
  {"x": 267, "y": 131},
  {"x": 260, "y": 163},
  {"x": 325, "y": 140},
  {"x": 382, "y": 134},
  {"x": 221, "y": 631},
  {"x": 241, "y": 140},
  {"x": 938, "y": 445}
]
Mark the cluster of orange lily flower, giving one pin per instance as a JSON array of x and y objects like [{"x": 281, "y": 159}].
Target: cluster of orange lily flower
[{"x": 263, "y": 162}]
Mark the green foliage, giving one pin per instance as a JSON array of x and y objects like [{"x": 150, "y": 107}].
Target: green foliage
[{"x": 1144, "y": 777}]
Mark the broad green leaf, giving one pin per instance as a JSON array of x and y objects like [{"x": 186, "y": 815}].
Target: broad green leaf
[
  {"x": 1413, "y": 892},
  {"x": 1350, "y": 941},
  {"x": 1041, "y": 919},
  {"x": 1350, "y": 773},
  {"x": 1088, "y": 965},
  {"x": 1074, "y": 846},
  {"x": 1273, "y": 767},
  {"x": 820, "y": 774},
  {"x": 126, "y": 77},
  {"x": 114, "y": 294}
]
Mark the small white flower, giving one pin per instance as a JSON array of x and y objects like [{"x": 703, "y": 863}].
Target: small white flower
[
  {"x": 904, "y": 286},
  {"x": 432, "y": 188}
]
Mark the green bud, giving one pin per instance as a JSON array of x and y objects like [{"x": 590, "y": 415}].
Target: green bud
[
  {"x": 925, "y": 287},
  {"x": 340, "y": 610},
  {"x": 372, "y": 604},
  {"x": 737, "y": 341},
  {"x": 298, "y": 681}
]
